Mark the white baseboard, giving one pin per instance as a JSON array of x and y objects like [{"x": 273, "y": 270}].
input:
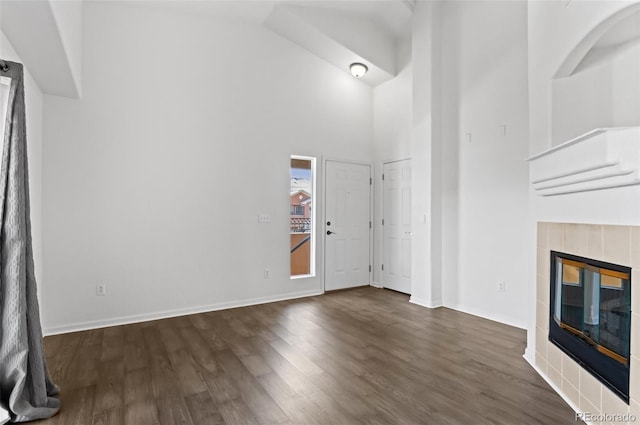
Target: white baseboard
[
  {"x": 489, "y": 316},
  {"x": 554, "y": 387},
  {"x": 529, "y": 355},
  {"x": 145, "y": 317},
  {"x": 377, "y": 285},
  {"x": 425, "y": 303}
]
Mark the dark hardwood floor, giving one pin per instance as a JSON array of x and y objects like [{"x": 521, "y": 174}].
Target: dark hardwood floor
[{"x": 360, "y": 356}]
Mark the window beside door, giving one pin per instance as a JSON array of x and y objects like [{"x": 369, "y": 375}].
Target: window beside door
[{"x": 302, "y": 219}]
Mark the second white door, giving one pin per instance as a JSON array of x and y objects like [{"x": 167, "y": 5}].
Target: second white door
[
  {"x": 347, "y": 225},
  {"x": 396, "y": 229}
]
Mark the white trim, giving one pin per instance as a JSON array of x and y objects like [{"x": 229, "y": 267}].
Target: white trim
[
  {"x": 604, "y": 158},
  {"x": 489, "y": 316},
  {"x": 348, "y": 161},
  {"x": 145, "y": 317},
  {"x": 554, "y": 387},
  {"x": 313, "y": 195},
  {"x": 466, "y": 310},
  {"x": 389, "y": 161},
  {"x": 573, "y": 141},
  {"x": 376, "y": 285},
  {"x": 586, "y": 179},
  {"x": 424, "y": 303},
  {"x": 574, "y": 172},
  {"x": 615, "y": 185}
]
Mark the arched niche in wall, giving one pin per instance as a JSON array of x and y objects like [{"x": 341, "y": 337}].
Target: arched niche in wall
[{"x": 598, "y": 83}]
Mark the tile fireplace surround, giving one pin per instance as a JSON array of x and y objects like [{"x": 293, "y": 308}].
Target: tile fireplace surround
[{"x": 610, "y": 243}]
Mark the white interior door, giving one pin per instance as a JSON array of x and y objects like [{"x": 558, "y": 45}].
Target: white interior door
[
  {"x": 347, "y": 225},
  {"x": 396, "y": 229}
]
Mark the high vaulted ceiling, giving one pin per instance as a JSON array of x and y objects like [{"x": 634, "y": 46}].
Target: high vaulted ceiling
[{"x": 338, "y": 31}]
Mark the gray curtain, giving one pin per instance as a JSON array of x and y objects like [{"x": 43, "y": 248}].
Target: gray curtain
[{"x": 26, "y": 390}]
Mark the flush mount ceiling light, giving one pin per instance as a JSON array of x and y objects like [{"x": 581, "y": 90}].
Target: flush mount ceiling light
[{"x": 358, "y": 69}]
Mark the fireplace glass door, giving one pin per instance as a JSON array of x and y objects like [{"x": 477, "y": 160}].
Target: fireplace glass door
[
  {"x": 591, "y": 315},
  {"x": 593, "y": 303}
]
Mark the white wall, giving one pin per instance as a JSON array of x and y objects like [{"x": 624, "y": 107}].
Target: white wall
[
  {"x": 154, "y": 179},
  {"x": 484, "y": 87},
  {"x": 468, "y": 75},
  {"x": 34, "y": 110}
]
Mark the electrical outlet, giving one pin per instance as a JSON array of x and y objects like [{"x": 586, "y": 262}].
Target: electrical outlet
[
  {"x": 101, "y": 290},
  {"x": 267, "y": 273},
  {"x": 502, "y": 286}
]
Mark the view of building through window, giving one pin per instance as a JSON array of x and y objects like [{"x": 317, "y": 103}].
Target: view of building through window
[{"x": 302, "y": 217}]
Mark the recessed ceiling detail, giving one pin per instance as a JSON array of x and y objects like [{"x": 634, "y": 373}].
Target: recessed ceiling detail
[{"x": 346, "y": 32}]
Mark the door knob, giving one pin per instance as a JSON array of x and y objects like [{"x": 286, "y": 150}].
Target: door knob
[{"x": 329, "y": 232}]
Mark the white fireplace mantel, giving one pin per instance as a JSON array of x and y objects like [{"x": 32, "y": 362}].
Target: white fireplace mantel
[{"x": 603, "y": 158}]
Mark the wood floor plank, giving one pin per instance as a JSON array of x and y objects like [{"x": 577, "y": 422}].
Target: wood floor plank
[
  {"x": 109, "y": 417},
  {"x": 135, "y": 354},
  {"x": 86, "y": 360},
  {"x": 213, "y": 339},
  {"x": 200, "y": 351},
  {"x": 141, "y": 412},
  {"x": 62, "y": 368},
  {"x": 173, "y": 411},
  {"x": 237, "y": 412},
  {"x": 110, "y": 387},
  {"x": 223, "y": 388},
  {"x": 255, "y": 364},
  {"x": 334, "y": 413},
  {"x": 298, "y": 360},
  {"x": 288, "y": 372},
  {"x": 277, "y": 388},
  {"x": 203, "y": 409},
  {"x": 79, "y": 407},
  {"x": 255, "y": 397},
  {"x": 359, "y": 356},
  {"x": 302, "y": 410},
  {"x": 112, "y": 343},
  {"x": 137, "y": 386},
  {"x": 164, "y": 380},
  {"x": 191, "y": 381}
]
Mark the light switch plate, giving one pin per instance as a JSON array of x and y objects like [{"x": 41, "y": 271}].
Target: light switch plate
[{"x": 264, "y": 218}]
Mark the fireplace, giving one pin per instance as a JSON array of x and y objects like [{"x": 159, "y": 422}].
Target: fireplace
[{"x": 590, "y": 317}]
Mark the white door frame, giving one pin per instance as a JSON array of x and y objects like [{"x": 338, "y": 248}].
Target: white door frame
[
  {"x": 324, "y": 214},
  {"x": 390, "y": 161}
]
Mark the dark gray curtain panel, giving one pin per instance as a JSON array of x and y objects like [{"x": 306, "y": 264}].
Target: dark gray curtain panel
[{"x": 26, "y": 390}]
